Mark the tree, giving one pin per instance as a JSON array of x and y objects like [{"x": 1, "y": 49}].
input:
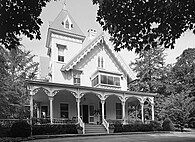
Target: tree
[
  {"x": 3, "y": 85},
  {"x": 20, "y": 17},
  {"x": 151, "y": 75},
  {"x": 183, "y": 71},
  {"x": 19, "y": 66},
  {"x": 144, "y": 24},
  {"x": 149, "y": 67},
  {"x": 179, "y": 108}
]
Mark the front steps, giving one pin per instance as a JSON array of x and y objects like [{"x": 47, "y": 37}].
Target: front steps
[{"x": 92, "y": 129}]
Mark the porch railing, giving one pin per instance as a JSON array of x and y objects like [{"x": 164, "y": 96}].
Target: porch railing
[
  {"x": 106, "y": 125},
  {"x": 62, "y": 121},
  {"x": 82, "y": 124}
]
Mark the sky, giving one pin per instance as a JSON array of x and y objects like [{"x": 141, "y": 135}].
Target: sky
[{"x": 84, "y": 13}]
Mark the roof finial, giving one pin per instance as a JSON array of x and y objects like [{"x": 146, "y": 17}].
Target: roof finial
[{"x": 64, "y": 5}]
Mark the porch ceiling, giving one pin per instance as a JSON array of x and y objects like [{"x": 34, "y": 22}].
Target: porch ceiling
[{"x": 35, "y": 83}]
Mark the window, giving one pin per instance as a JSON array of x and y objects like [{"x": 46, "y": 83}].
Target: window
[
  {"x": 110, "y": 80},
  {"x": 104, "y": 79},
  {"x": 64, "y": 111},
  {"x": 100, "y": 62},
  {"x": 77, "y": 79},
  {"x": 118, "y": 111},
  {"x": 61, "y": 52},
  {"x": 95, "y": 81},
  {"x": 67, "y": 24}
]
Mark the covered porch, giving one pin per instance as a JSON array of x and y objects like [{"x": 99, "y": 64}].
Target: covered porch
[{"x": 62, "y": 103}]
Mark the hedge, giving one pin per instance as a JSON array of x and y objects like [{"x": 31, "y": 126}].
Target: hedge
[
  {"x": 138, "y": 127},
  {"x": 54, "y": 129}
]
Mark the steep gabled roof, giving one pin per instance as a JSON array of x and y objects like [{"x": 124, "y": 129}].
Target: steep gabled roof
[
  {"x": 101, "y": 39},
  {"x": 58, "y": 26}
]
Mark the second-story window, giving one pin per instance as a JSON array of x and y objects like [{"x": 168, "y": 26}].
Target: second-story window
[
  {"x": 61, "y": 52},
  {"x": 77, "y": 79},
  {"x": 100, "y": 62}
]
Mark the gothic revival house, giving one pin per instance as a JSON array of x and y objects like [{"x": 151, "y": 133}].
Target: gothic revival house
[{"x": 88, "y": 83}]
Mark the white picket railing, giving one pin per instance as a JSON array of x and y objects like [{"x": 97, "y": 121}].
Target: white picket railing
[
  {"x": 106, "y": 125},
  {"x": 82, "y": 124}
]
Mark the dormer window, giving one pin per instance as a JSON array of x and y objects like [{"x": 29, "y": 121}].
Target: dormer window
[
  {"x": 61, "y": 52},
  {"x": 67, "y": 23}
]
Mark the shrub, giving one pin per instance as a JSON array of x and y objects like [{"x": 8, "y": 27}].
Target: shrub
[
  {"x": 168, "y": 125},
  {"x": 10, "y": 139},
  {"x": 21, "y": 129},
  {"x": 54, "y": 129},
  {"x": 4, "y": 131},
  {"x": 156, "y": 126},
  {"x": 138, "y": 127}
]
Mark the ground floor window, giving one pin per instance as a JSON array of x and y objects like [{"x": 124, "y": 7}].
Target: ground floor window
[
  {"x": 118, "y": 111},
  {"x": 64, "y": 111}
]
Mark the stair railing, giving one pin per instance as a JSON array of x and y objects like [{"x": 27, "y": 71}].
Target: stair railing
[
  {"x": 82, "y": 124},
  {"x": 106, "y": 125}
]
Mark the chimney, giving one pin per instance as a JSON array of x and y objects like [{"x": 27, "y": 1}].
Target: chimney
[{"x": 91, "y": 34}]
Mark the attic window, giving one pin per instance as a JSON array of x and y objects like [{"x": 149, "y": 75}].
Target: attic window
[{"x": 67, "y": 24}]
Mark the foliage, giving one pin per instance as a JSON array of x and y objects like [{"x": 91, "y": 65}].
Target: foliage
[
  {"x": 144, "y": 24},
  {"x": 183, "y": 71},
  {"x": 21, "y": 129},
  {"x": 4, "y": 131},
  {"x": 139, "y": 127},
  {"x": 179, "y": 108},
  {"x": 156, "y": 125},
  {"x": 54, "y": 129},
  {"x": 111, "y": 126},
  {"x": 3, "y": 85},
  {"x": 168, "y": 125},
  {"x": 8, "y": 139},
  {"x": 149, "y": 67},
  {"x": 151, "y": 75},
  {"x": 79, "y": 127},
  {"x": 19, "y": 66},
  {"x": 20, "y": 17}
]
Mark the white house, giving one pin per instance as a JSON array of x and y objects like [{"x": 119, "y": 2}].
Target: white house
[{"x": 86, "y": 83}]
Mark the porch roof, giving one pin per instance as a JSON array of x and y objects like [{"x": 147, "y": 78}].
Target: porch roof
[{"x": 86, "y": 88}]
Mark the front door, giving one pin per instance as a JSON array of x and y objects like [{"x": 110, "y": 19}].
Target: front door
[{"x": 85, "y": 114}]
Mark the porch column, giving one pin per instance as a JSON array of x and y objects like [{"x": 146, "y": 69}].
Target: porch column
[
  {"x": 38, "y": 111},
  {"x": 31, "y": 106},
  {"x": 51, "y": 108},
  {"x": 152, "y": 111},
  {"x": 123, "y": 110},
  {"x": 103, "y": 102},
  {"x": 78, "y": 107},
  {"x": 142, "y": 111}
]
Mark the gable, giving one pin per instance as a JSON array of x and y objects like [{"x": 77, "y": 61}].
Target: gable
[
  {"x": 99, "y": 47},
  {"x": 58, "y": 26}
]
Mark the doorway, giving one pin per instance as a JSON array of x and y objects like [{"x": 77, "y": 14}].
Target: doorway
[{"x": 85, "y": 114}]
